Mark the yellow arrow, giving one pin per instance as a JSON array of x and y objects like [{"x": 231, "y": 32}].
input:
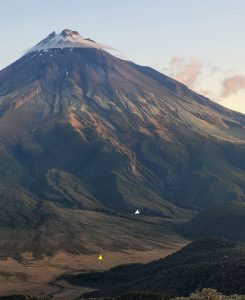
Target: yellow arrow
[{"x": 100, "y": 258}]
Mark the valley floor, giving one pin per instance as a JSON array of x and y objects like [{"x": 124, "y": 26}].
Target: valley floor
[{"x": 38, "y": 277}]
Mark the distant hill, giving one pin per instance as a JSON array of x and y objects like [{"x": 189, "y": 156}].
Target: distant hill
[
  {"x": 212, "y": 263},
  {"x": 225, "y": 221}
]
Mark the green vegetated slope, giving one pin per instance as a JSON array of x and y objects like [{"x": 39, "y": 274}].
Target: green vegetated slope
[
  {"x": 206, "y": 263},
  {"x": 225, "y": 221}
]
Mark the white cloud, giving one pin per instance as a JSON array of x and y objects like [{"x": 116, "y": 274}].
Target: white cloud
[
  {"x": 185, "y": 71},
  {"x": 232, "y": 85}
]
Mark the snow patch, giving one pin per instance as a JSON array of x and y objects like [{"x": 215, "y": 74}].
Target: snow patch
[
  {"x": 66, "y": 39},
  {"x": 66, "y": 72}
]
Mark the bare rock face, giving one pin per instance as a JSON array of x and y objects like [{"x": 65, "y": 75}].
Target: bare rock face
[
  {"x": 68, "y": 32},
  {"x": 82, "y": 130}
]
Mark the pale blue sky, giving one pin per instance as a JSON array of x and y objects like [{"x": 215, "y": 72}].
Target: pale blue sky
[{"x": 148, "y": 32}]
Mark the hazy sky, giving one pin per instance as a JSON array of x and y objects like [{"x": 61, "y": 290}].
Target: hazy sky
[{"x": 201, "y": 43}]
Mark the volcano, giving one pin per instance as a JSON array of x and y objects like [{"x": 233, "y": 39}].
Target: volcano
[{"x": 87, "y": 138}]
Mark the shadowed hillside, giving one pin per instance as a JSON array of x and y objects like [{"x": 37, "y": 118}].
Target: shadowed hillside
[
  {"x": 224, "y": 221},
  {"x": 212, "y": 263}
]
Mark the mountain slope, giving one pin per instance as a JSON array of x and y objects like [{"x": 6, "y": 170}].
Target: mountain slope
[
  {"x": 223, "y": 221},
  {"x": 82, "y": 130},
  {"x": 209, "y": 263}
]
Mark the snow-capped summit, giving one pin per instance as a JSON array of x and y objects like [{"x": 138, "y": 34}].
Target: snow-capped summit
[{"x": 67, "y": 38}]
